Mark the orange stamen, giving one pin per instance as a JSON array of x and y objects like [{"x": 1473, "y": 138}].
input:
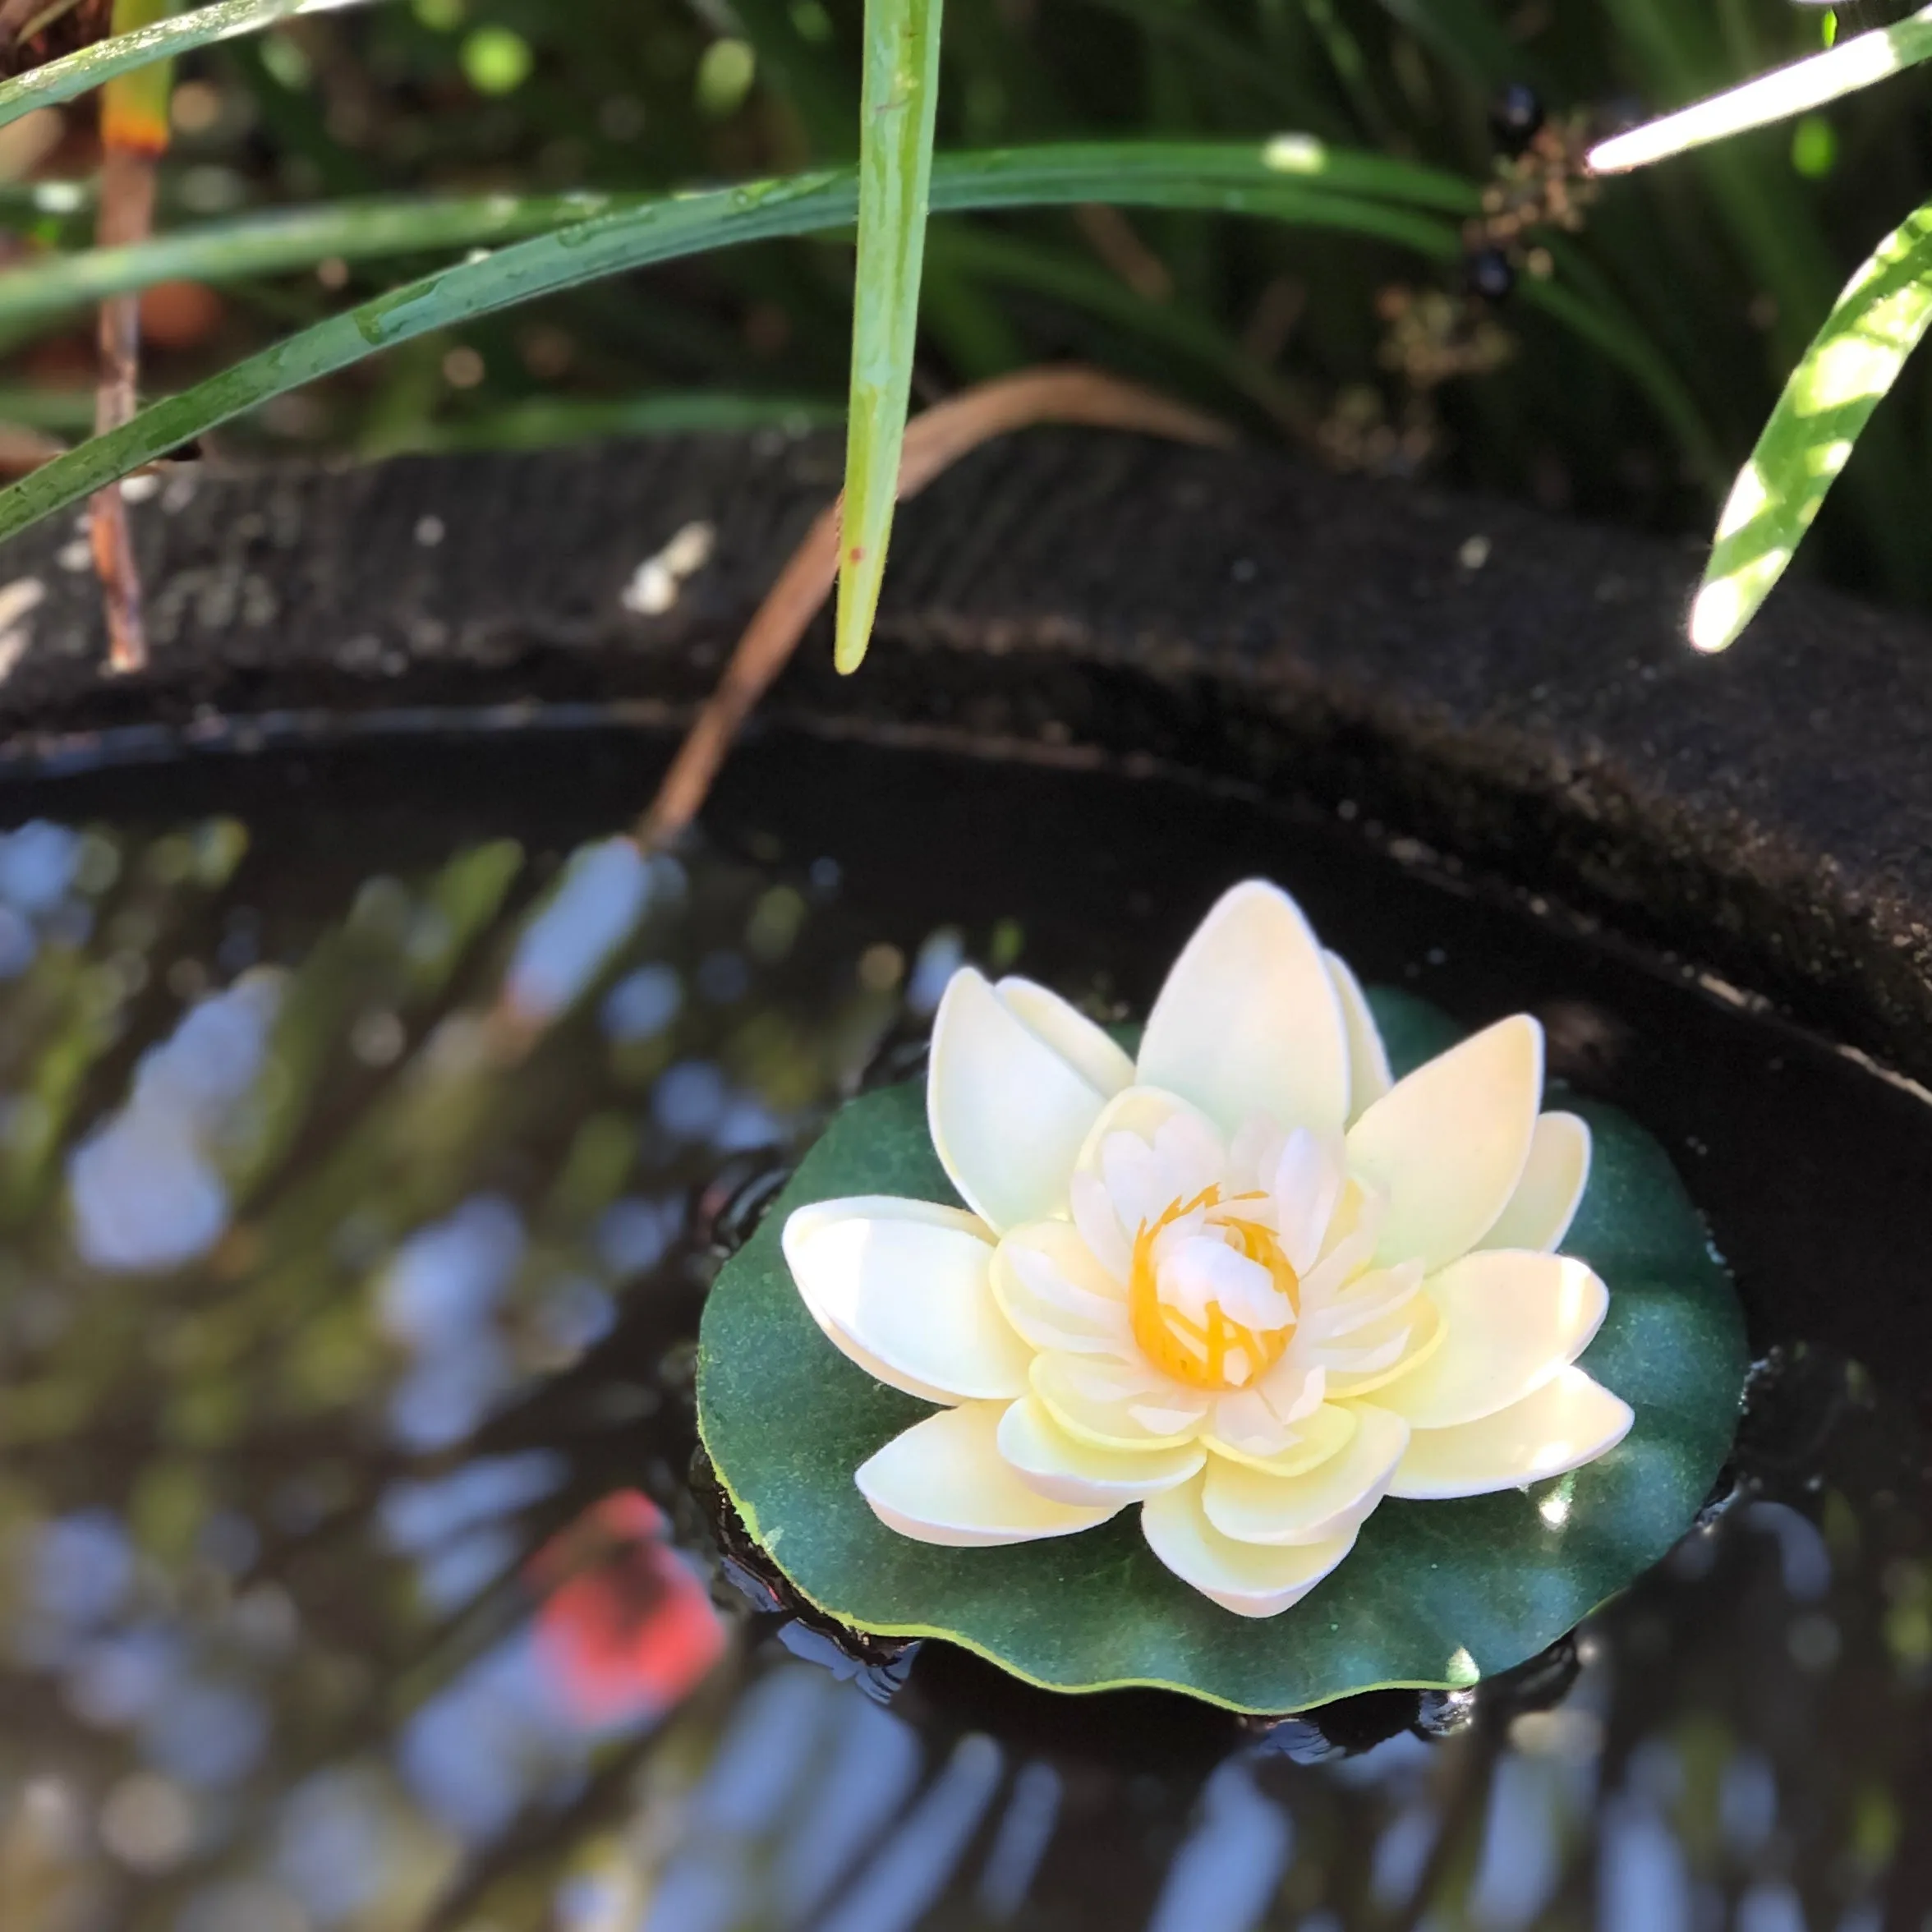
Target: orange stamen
[{"x": 1198, "y": 1353}]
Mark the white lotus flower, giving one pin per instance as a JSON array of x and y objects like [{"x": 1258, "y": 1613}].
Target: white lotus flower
[{"x": 1245, "y": 1282}]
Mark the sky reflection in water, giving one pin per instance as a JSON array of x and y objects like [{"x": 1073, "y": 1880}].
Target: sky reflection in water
[{"x": 349, "y": 1573}]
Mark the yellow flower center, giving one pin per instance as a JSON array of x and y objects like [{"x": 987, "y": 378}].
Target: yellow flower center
[{"x": 1215, "y": 1352}]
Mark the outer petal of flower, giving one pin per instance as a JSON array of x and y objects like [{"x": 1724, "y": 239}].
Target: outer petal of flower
[
  {"x": 1067, "y": 1469},
  {"x": 1333, "y": 1499},
  {"x": 1117, "y": 1406},
  {"x": 1566, "y": 1424},
  {"x": 1447, "y": 1145},
  {"x": 1089, "y": 1049},
  {"x": 1547, "y": 1197},
  {"x": 905, "y": 1288},
  {"x": 1250, "y": 1021},
  {"x": 1057, "y": 1294},
  {"x": 1512, "y": 1322},
  {"x": 1007, "y": 1113},
  {"x": 1249, "y": 1579},
  {"x": 944, "y": 1481},
  {"x": 1314, "y": 1439},
  {"x": 1369, "y": 1077}
]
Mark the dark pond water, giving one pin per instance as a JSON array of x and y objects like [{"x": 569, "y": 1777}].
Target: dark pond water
[{"x": 360, "y": 1190}]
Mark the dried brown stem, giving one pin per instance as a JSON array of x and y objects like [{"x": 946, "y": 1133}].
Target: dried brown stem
[
  {"x": 127, "y": 214},
  {"x": 934, "y": 442}
]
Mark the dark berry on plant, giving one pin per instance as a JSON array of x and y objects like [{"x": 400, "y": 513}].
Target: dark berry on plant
[
  {"x": 1488, "y": 273},
  {"x": 1516, "y": 117}
]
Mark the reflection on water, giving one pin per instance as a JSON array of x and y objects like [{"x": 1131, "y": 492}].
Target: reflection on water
[{"x": 360, "y": 1181}]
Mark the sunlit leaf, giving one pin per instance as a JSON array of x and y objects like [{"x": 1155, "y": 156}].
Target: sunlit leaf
[
  {"x": 1851, "y": 365},
  {"x": 1434, "y": 1592},
  {"x": 74, "y": 73},
  {"x": 1777, "y": 96},
  {"x": 900, "y": 99}
]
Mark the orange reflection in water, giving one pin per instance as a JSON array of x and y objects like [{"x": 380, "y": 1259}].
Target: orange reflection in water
[{"x": 625, "y": 1625}]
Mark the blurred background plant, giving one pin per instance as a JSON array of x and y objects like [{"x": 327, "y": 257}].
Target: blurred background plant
[{"x": 1432, "y": 286}]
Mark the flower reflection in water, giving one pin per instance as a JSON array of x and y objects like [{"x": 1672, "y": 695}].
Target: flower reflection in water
[{"x": 345, "y": 1305}]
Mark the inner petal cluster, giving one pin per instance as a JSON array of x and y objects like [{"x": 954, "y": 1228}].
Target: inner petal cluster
[
  {"x": 1211, "y": 1295},
  {"x": 1245, "y": 1282}
]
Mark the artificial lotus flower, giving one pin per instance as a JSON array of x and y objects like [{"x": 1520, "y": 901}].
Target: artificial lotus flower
[{"x": 1245, "y": 1281}]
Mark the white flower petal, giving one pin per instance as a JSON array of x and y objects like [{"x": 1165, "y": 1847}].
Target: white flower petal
[
  {"x": 1244, "y": 1421},
  {"x": 1372, "y": 1297},
  {"x": 1295, "y": 1388},
  {"x": 1539, "y": 1212},
  {"x": 1354, "y": 1228},
  {"x": 1065, "y": 1468},
  {"x": 1191, "y": 1156},
  {"x": 1512, "y": 1322},
  {"x": 1566, "y": 1424},
  {"x": 909, "y": 1284},
  {"x": 1053, "y": 1291},
  {"x": 1203, "y": 1268},
  {"x": 1421, "y": 1328},
  {"x": 1306, "y": 1184},
  {"x": 1447, "y": 1144},
  {"x": 1120, "y": 1149},
  {"x": 944, "y": 1481},
  {"x": 1162, "y": 1414},
  {"x": 1007, "y": 1113},
  {"x": 1247, "y": 1578},
  {"x": 802, "y": 1221},
  {"x": 1089, "y": 1049},
  {"x": 1100, "y": 1226},
  {"x": 1250, "y": 1021},
  {"x": 1326, "y": 1432},
  {"x": 1253, "y": 1154},
  {"x": 1369, "y": 1077},
  {"x": 1334, "y": 1499}
]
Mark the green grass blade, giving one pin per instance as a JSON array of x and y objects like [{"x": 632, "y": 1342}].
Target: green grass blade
[
  {"x": 74, "y": 73},
  {"x": 896, "y": 119},
  {"x": 276, "y": 241},
  {"x": 1794, "y": 89},
  {"x": 1851, "y": 365},
  {"x": 543, "y": 423},
  {"x": 1242, "y": 178},
  {"x": 279, "y": 241}
]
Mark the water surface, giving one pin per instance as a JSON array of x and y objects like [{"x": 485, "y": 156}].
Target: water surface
[{"x": 370, "y": 1125}]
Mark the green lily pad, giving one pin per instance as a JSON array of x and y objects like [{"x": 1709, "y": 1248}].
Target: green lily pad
[{"x": 1434, "y": 1595}]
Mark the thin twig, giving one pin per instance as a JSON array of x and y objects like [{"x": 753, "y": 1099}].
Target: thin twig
[
  {"x": 127, "y": 214},
  {"x": 934, "y": 442}
]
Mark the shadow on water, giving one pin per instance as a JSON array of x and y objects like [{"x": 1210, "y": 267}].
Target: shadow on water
[{"x": 372, "y": 1123}]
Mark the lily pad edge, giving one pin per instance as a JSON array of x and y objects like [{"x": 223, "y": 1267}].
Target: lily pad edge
[{"x": 934, "y": 1633}]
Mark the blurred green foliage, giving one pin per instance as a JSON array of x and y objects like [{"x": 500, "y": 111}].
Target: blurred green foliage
[{"x": 1720, "y": 266}]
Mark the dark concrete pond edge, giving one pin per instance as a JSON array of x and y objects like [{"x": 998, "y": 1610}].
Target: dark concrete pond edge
[{"x": 1508, "y": 692}]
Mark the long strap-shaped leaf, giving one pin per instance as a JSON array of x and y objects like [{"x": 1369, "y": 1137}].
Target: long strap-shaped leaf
[
  {"x": 678, "y": 225},
  {"x": 1776, "y": 96},
  {"x": 899, "y": 100},
  {"x": 1852, "y": 363},
  {"x": 75, "y": 73},
  {"x": 275, "y": 240}
]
